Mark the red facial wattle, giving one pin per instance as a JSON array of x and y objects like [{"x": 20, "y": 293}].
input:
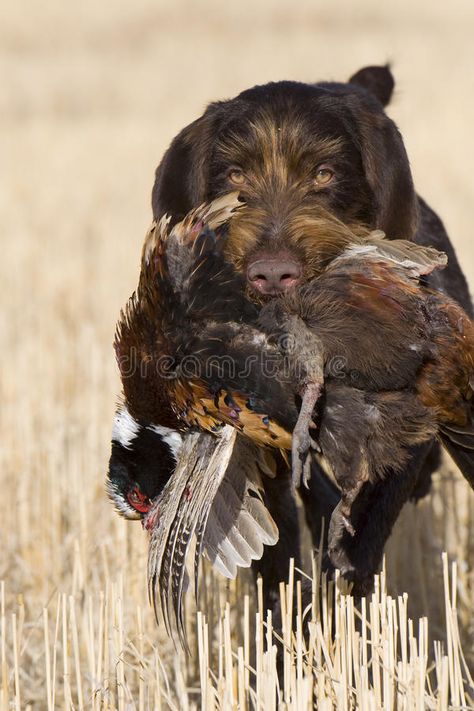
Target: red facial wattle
[{"x": 138, "y": 500}]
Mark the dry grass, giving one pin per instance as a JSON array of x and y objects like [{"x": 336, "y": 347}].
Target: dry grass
[{"x": 91, "y": 95}]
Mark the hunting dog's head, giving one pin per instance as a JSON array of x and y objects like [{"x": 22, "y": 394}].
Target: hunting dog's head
[{"x": 311, "y": 161}]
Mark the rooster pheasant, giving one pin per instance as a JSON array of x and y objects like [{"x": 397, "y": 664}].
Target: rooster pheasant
[{"x": 364, "y": 358}]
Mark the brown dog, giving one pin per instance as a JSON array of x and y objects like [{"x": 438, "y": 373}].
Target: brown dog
[{"x": 305, "y": 157}]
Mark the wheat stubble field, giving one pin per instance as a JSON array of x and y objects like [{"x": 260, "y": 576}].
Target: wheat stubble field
[{"x": 90, "y": 96}]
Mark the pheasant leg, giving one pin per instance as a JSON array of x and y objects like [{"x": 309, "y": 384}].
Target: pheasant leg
[{"x": 302, "y": 442}]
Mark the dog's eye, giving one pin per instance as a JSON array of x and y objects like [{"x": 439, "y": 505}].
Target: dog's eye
[
  {"x": 324, "y": 176},
  {"x": 237, "y": 177}
]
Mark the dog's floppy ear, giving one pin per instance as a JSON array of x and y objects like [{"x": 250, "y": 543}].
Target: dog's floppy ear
[
  {"x": 181, "y": 177},
  {"x": 388, "y": 173},
  {"x": 378, "y": 81}
]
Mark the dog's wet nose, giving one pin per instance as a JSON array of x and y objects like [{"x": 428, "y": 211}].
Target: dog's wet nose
[{"x": 273, "y": 275}]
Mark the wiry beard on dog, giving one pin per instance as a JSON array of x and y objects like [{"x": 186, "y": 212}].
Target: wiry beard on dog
[{"x": 314, "y": 237}]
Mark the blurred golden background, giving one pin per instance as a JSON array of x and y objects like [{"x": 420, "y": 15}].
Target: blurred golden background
[{"x": 91, "y": 95}]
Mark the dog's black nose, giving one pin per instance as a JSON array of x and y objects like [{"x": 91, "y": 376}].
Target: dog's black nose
[{"x": 273, "y": 275}]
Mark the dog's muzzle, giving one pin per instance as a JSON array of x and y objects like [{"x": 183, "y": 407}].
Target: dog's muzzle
[{"x": 273, "y": 275}]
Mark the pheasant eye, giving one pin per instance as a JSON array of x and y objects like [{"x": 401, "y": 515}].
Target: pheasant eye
[
  {"x": 324, "y": 176},
  {"x": 237, "y": 177},
  {"x": 138, "y": 500}
]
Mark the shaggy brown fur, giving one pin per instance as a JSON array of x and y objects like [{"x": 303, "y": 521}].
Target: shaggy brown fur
[{"x": 270, "y": 143}]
